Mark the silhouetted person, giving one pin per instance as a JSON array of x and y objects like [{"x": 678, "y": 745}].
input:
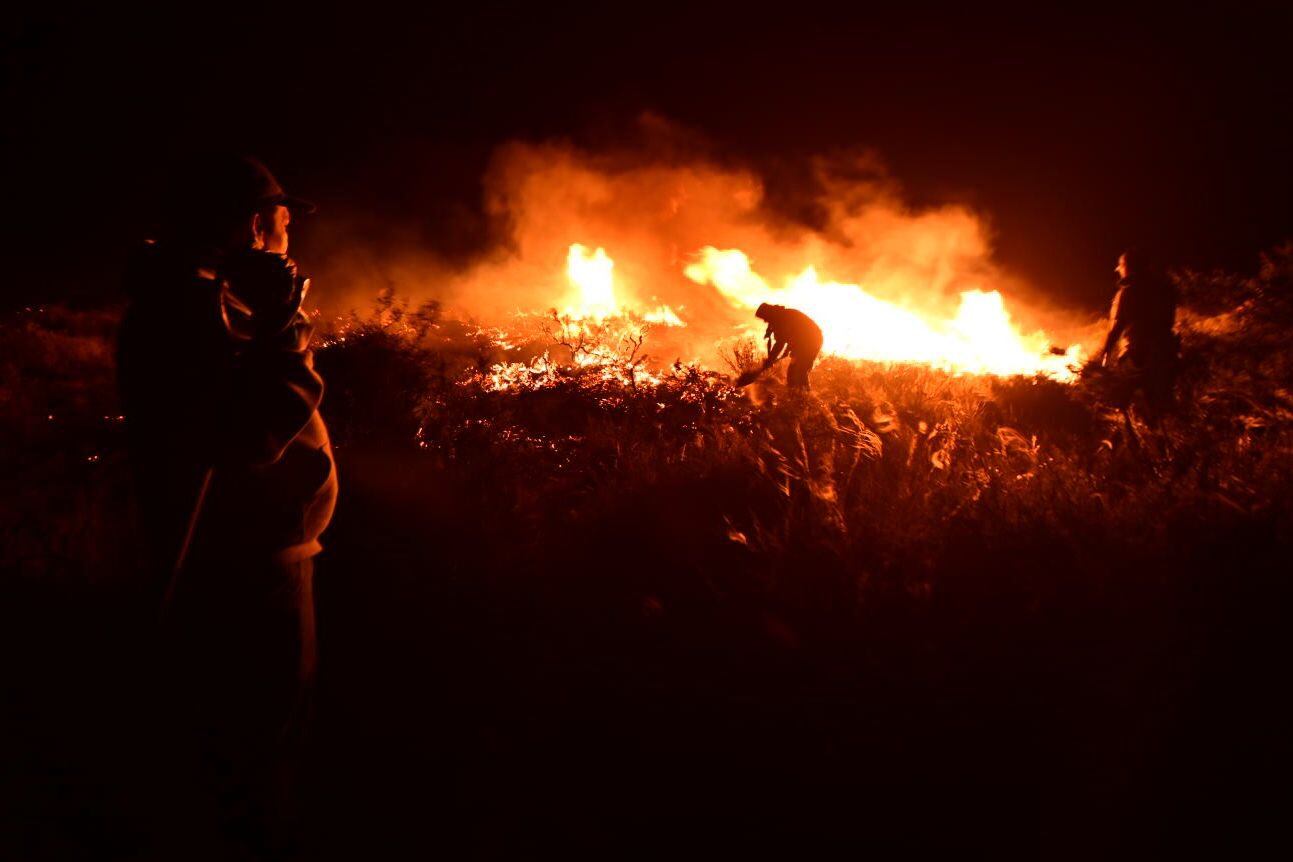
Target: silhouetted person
[
  {"x": 792, "y": 331},
  {"x": 235, "y": 482},
  {"x": 1142, "y": 318}
]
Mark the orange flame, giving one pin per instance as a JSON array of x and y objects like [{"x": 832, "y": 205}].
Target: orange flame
[
  {"x": 591, "y": 277},
  {"x": 980, "y": 339},
  {"x": 590, "y": 274},
  {"x": 689, "y": 248}
]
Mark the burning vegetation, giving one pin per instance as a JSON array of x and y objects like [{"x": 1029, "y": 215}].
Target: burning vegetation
[
  {"x": 725, "y": 578},
  {"x": 979, "y": 339},
  {"x": 573, "y": 399},
  {"x": 551, "y": 478},
  {"x": 674, "y": 242}
]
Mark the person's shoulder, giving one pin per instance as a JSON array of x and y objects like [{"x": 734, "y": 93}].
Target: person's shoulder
[{"x": 803, "y": 318}]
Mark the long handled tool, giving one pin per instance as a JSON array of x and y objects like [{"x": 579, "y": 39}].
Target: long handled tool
[{"x": 753, "y": 374}]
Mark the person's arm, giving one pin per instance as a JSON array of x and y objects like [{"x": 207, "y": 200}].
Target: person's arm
[
  {"x": 1111, "y": 341},
  {"x": 273, "y": 392},
  {"x": 1117, "y": 325},
  {"x": 777, "y": 350}
]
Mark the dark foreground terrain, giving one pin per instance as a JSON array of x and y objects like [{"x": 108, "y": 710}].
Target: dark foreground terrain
[{"x": 595, "y": 614}]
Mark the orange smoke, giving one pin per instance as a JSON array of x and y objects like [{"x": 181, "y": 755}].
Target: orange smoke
[{"x": 693, "y": 246}]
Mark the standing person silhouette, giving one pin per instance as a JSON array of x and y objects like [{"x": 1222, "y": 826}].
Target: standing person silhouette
[
  {"x": 235, "y": 481},
  {"x": 1141, "y": 322}
]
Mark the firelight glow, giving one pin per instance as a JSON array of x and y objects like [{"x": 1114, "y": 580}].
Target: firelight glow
[
  {"x": 980, "y": 339},
  {"x": 590, "y": 273},
  {"x": 591, "y": 276}
]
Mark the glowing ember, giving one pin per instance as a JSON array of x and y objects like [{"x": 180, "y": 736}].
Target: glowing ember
[
  {"x": 664, "y": 315},
  {"x": 980, "y": 339},
  {"x": 542, "y": 372}
]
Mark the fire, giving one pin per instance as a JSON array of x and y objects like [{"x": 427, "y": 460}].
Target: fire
[
  {"x": 682, "y": 250},
  {"x": 591, "y": 277},
  {"x": 590, "y": 274},
  {"x": 980, "y": 339}
]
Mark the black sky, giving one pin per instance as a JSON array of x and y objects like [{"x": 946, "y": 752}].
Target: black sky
[{"x": 1075, "y": 133}]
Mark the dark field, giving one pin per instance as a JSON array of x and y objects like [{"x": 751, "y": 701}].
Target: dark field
[{"x": 602, "y": 615}]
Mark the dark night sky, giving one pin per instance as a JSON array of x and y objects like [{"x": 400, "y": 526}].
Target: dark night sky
[{"x": 1075, "y": 133}]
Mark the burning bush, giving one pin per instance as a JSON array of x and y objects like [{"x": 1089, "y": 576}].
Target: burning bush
[
  {"x": 878, "y": 468},
  {"x": 540, "y": 537}
]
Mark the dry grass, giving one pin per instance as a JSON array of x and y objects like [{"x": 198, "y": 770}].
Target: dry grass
[
  {"x": 878, "y": 468},
  {"x": 647, "y": 600}
]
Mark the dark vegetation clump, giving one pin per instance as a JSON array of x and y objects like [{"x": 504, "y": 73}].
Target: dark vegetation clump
[{"x": 569, "y": 597}]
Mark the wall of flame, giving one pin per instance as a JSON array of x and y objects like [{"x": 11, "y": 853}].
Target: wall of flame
[{"x": 695, "y": 245}]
